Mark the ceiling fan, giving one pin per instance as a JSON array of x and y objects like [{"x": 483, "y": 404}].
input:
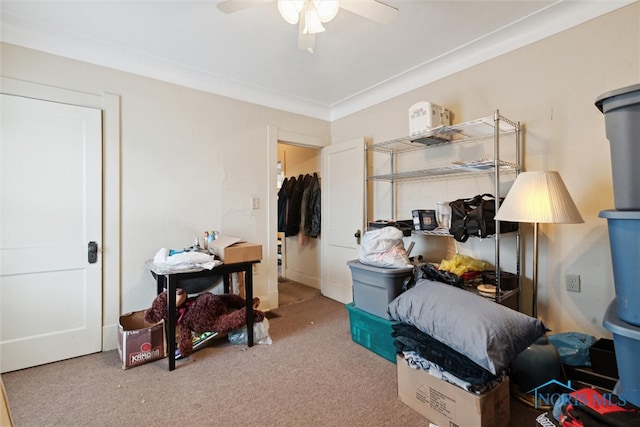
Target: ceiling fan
[{"x": 311, "y": 14}]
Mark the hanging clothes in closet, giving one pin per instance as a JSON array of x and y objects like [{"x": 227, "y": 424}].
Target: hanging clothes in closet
[
  {"x": 299, "y": 206},
  {"x": 294, "y": 204},
  {"x": 282, "y": 205},
  {"x": 312, "y": 223}
]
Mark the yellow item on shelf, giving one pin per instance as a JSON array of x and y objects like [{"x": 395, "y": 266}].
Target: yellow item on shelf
[{"x": 461, "y": 264}]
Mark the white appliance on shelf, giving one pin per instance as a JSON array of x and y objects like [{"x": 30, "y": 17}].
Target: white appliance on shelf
[{"x": 426, "y": 116}]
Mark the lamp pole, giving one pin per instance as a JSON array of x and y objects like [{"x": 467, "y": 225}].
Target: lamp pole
[{"x": 534, "y": 298}]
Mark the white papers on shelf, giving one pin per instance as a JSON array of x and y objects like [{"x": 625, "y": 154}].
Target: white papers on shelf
[{"x": 480, "y": 165}]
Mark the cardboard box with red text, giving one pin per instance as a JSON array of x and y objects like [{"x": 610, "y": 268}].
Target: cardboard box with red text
[
  {"x": 445, "y": 404},
  {"x": 139, "y": 341}
]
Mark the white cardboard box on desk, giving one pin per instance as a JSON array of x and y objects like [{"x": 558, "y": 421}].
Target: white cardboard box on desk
[
  {"x": 445, "y": 404},
  {"x": 139, "y": 341}
]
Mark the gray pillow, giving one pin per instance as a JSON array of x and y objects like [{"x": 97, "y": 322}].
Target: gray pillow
[{"x": 488, "y": 333}]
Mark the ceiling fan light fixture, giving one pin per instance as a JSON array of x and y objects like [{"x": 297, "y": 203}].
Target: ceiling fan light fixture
[
  {"x": 309, "y": 15},
  {"x": 290, "y": 10},
  {"x": 312, "y": 23}
]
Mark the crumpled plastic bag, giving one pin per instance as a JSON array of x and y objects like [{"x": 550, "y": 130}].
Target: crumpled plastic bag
[
  {"x": 383, "y": 247},
  {"x": 461, "y": 264},
  {"x": 573, "y": 347},
  {"x": 260, "y": 334}
]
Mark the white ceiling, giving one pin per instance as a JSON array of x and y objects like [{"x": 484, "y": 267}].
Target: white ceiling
[{"x": 252, "y": 55}]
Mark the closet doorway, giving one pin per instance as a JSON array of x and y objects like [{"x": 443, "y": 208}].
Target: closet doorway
[{"x": 299, "y": 246}]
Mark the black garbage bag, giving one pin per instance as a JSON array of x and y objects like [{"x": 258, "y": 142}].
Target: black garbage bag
[{"x": 428, "y": 271}]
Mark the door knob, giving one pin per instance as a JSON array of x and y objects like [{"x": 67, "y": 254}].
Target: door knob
[
  {"x": 92, "y": 253},
  {"x": 357, "y": 236}
]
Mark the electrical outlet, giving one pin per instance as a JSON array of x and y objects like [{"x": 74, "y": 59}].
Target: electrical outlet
[
  {"x": 573, "y": 282},
  {"x": 256, "y": 203}
]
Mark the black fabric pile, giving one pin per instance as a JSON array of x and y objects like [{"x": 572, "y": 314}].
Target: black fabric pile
[
  {"x": 428, "y": 271},
  {"x": 410, "y": 338}
]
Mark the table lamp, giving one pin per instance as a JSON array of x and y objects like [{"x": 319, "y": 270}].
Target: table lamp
[{"x": 538, "y": 197}]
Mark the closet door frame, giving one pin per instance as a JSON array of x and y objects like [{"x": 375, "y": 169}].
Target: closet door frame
[{"x": 275, "y": 136}]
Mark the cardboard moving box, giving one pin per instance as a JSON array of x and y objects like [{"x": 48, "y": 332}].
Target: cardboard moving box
[
  {"x": 241, "y": 252},
  {"x": 5, "y": 414},
  {"x": 445, "y": 404},
  {"x": 233, "y": 250},
  {"x": 139, "y": 341}
]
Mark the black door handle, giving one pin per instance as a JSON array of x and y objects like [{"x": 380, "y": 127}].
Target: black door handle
[{"x": 92, "y": 253}]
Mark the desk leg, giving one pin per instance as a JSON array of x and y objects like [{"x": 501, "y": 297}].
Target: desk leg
[
  {"x": 171, "y": 323},
  {"x": 225, "y": 283},
  {"x": 248, "y": 289},
  {"x": 161, "y": 283}
]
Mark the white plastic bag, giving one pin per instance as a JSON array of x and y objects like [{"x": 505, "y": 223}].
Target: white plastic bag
[
  {"x": 260, "y": 334},
  {"x": 383, "y": 247}
]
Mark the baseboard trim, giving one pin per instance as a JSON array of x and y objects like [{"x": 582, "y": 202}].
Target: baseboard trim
[
  {"x": 305, "y": 279},
  {"x": 109, "y": 337}
]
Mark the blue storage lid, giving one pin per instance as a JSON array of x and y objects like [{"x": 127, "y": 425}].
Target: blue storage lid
[
  {"x": 617, "y": 98},
  {"x": 613, "y": 323},
  {"x": 614, "y": 214}
]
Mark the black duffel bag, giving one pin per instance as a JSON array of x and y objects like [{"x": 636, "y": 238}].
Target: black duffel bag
[{"x": 475, "y": 217}]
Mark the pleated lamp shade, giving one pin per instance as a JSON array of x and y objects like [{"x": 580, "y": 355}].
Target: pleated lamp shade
[{"x": 539, "y": 197}]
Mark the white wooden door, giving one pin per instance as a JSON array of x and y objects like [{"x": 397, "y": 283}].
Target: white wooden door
[
  {"x": 51, "y": 192},
  {"x": 342, "y": 215}
]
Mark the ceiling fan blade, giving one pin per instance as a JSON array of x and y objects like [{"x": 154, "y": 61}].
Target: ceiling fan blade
[
  {"x": 231, "y": 6},
  {"x": 370, "y": 9}
]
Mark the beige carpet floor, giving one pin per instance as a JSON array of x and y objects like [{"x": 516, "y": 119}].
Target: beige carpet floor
[
  {"x": 290, "y": 292},
  {"x": 312, "y": 374}
]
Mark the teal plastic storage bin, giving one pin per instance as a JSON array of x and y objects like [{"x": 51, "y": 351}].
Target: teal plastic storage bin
[
  {"x": 624, "y": 239},
  {"x": 621, "y": 109},
  {"x": 372, "y": 332},
  {"x": 626, "y": 339}
]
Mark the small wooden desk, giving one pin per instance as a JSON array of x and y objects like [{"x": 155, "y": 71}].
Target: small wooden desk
[{"x": 170, "y": 280}]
